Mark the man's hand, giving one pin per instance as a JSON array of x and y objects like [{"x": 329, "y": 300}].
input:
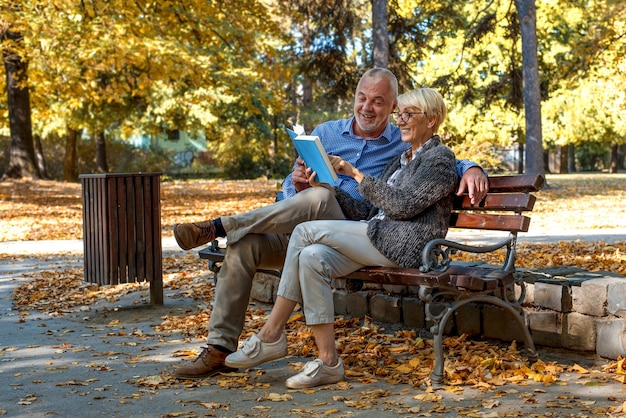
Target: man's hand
[
  {"x": 299, "y": 176},
  {"x": 475, "y": 182}
]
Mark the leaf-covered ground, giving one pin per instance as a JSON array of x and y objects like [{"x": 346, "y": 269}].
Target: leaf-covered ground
[{"x": 41, "y": 210}]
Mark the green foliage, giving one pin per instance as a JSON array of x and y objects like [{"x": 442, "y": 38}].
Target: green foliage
[
  {"x": 591, "y": 156},
  {"x": 237, "y": 72}
]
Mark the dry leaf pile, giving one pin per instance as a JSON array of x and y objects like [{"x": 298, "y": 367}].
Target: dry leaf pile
[{"x": 591, "y": 256}]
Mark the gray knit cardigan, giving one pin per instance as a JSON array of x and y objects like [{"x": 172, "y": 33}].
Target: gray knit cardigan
[{"x": 417, "y": 208}]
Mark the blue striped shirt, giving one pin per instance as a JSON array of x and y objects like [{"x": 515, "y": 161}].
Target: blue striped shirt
[{"x": 369, "y": 155}]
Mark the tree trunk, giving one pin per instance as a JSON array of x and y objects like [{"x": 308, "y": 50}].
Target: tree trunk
[
  {"x": 380, "y": 33},
  {"x": 563, "y": 152},
  {"x": 527, "y": 13},
  {"x": 70, "y": 173},
  {"x": 546, "y": 160},
  {"x": 613, "y": 166},
  {"x": 101, "y": 154},
  {"x": 22, "y": 153},
  {"x": 40, "y": 159},
  {"x": 621, "y": 156},
  {"x": 571, "y": 158}
]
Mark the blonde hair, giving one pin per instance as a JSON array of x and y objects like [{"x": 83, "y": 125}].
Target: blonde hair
[{"x": 427, "y": 100}]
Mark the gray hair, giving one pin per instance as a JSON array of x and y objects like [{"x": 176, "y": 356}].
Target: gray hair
[{"x": 383, "y": 73}]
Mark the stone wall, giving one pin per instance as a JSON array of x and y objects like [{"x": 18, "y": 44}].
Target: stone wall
[{"x": 566, "y": 307}]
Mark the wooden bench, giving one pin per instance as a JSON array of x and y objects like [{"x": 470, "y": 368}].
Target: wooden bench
[{"x": 444, "y": 283}]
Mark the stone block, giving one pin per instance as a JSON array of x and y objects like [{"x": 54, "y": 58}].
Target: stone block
[
  {"x": 530, "y": 294},
  {"x": 386, "y": 308},
  {"x": 580, "y": 332},
  {"x": 553, "y": 296},
  {"x": 617, "y": 296},
  {"x": 611, "y": 337},
  {"x": 529, "y": 297},
  {"x": 413, "y": 290},
  {"x": 499, "y": 323},
  {"x": 264, "y": 287},
  {"x": 396, "y": 289},
  {"x": 372, "y": 286},
  {"x": 413, "y": 312},
  {"x": 340, "y": 301},
  {"x": 357, "y": 304},
  {"x": 590, "y": 297},
  {"x": 546, "y": 327},
  {"x": 468, "y": 319},
  {"x": 340, "y": 284}
]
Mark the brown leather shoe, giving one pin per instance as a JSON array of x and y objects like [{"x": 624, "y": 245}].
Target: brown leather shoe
[
  {"x": 193, "y": 235},
  {"x": 210, "y": 362}
]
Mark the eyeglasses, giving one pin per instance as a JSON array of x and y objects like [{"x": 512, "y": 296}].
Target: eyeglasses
[{"x": 405, "y": 116}]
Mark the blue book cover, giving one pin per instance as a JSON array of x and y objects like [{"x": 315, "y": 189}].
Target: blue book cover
[{"x": 312, "y": 151}]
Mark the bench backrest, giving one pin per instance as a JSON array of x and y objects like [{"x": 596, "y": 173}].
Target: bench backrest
[{"x": 503, "y": 207}]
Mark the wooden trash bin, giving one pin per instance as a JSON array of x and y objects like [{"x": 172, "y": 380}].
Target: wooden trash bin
[{"x": 122, "y": 230}]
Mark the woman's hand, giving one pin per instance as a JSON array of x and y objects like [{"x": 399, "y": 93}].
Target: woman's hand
[{"x": 341, "y": 166}]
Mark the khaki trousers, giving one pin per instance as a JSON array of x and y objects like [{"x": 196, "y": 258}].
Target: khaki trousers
[{"x": 259, "y": 239}]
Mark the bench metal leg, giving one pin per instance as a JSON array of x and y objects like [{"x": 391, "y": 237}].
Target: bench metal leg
[{"x": 441, "y": 320}]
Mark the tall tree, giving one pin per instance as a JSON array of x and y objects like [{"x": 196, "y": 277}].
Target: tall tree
[
  {"x": 69, "y": 161},
  {"x": 99, "y": 140},
  {"x": 527, "y": 13},
  {"x": 22, "y": 161},
  {"x": 380, "y": 33}
]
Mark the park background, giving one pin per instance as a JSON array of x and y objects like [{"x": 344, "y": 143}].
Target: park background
[
  {"x": 202, "y": 91},
  {"x": 205, "y": 89}
]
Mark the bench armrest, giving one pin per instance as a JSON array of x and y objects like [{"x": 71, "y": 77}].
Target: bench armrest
[{"x": 436, "y": 253}]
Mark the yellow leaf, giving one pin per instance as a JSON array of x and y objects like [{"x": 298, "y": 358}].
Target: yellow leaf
[
  {"x": 579, "y": 369},
  {"x": 621, "y": 367},
  {"x": 277, "y": 397}
]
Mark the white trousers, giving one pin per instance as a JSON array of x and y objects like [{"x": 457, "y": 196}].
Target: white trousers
[{"x": 319, "y": 251}]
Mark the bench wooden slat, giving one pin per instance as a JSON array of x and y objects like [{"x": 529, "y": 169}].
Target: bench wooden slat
[
  {"x": 479, "y": 278},
  {"x": 516, "y": 223},
  {"x": 401, "y": 276},
  {"x": 524, "y": 183},
  {"x": 518, "y": 202}
]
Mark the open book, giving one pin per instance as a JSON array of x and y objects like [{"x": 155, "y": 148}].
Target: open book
[{"x": 312, "y": 151}]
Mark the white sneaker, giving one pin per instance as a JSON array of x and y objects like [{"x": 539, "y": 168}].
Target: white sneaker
[
  {"x": 315, "y": 373},
  {"x": 253, "y": 352}
]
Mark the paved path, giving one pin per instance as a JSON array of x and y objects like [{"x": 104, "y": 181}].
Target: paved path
[
  {"x": 89, "y": 363},
  {"x": 169, "y": 244}
]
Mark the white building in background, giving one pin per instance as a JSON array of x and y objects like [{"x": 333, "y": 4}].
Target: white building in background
[{"x": 186, "y": 150}]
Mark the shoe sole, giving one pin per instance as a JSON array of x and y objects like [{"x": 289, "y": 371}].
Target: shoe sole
[
  {"x": 322, "y": 382},
  {"x": 202, "y": 376}
]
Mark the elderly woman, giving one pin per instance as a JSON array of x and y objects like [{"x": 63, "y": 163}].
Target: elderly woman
[{"x": 406, "y": 207}]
